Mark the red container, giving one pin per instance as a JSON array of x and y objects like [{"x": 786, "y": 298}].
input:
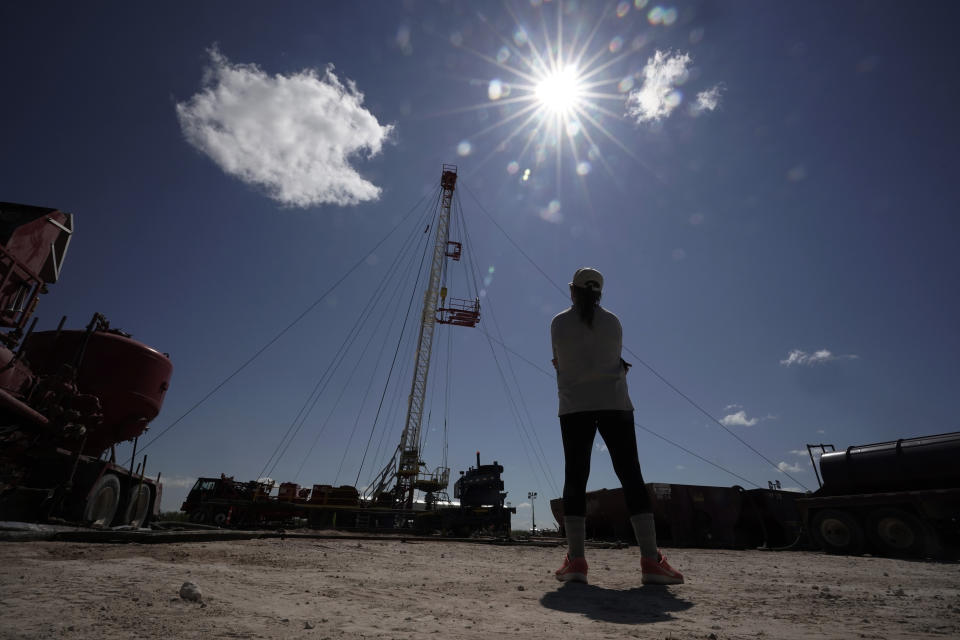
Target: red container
[
  {"x": 288, "y": 491},
  {"x": 685, "y": 515},
  {"x": 128, "y": 377}
]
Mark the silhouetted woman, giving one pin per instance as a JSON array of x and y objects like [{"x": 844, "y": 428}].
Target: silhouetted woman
[{"x": 592, "y": 385}]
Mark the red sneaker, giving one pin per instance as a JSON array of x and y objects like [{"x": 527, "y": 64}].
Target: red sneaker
[
  {"x": 573, "y": 570},
  {"x": 659, "y": 572}
]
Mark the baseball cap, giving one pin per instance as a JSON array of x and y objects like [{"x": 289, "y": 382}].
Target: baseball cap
[{"x": 588, "y": 278}]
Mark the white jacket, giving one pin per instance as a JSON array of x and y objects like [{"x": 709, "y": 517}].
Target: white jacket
[{"x": 590, "y": 376}]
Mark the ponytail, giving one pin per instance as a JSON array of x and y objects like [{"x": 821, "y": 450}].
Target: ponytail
[{"x": 585, "y": 302}]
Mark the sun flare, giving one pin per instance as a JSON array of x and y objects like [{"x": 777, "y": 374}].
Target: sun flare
[
  {"x": 557, "y": 94},
  {"x": 560, "y": 91}
]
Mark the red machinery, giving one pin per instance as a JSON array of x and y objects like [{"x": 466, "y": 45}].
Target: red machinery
[{"x": 67, "y": 397}]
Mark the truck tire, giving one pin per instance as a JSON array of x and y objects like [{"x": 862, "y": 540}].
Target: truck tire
[
  {"x": 138, "y": 505},
  {"x": 837, "y": 531},
  {"x": 220, "y": 518},
  {"x": 898, "y": 533},
  {"x": 103, "y": 500}
]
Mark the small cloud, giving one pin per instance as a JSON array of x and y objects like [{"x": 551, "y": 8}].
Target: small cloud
[
  {"x": 658, "y": 96},
  {"x": 523, "y": 505},
  {"x": 738, "y": 419},
  {"x": 707, "y": 100},
  {"x": 178, "y": 482},
  {"x": 800, "y": 452},
  {"x": 680, "y": 467},
  {"x": 731, "y": 407},
  {"x": 822, "y": 356},
  {"x": 600, "y": 446},
  {"x": 821, "y": 431},
  {"x": 791, "y": 468},
  {"x": 293, "y": 135}
]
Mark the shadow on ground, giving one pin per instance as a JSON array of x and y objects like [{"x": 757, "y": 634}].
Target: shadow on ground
[{"x": 630, "y": 606}]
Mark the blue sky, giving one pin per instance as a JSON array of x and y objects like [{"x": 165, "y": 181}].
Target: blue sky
[{"x": 769, "y": 189}]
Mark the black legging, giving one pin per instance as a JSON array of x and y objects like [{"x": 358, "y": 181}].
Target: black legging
[{"x": 616, "y": 429}]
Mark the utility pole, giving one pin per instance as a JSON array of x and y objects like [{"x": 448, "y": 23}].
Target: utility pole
[{"x": 533, "y": 512}]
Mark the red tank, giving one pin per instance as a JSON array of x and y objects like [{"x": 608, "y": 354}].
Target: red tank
[
  {"x": 67, "y": 396},
  {"x": 128, "y": 377}
]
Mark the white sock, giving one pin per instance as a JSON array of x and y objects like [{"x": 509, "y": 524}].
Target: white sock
[
  {"x": 576, "y": 528},
  {"x": 646, "y": 533}
]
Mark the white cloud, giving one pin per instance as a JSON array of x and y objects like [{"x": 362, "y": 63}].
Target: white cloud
[
  {"x": 657, "y": 97},
  {"x": 800, "y": 452},
  {"x": 707, "y": 100},
  {"x": 177, "y": 482},
  {"x": 523, "y": 505},
  {"x": 292, "y": 135},
  {"x": 821, "y": 356},
  {"x": 786, "y": 467},
  {"x": 600, "y": 446},
  {"x": 738, "y": 419},
  {"x": 731, "y": 407}
]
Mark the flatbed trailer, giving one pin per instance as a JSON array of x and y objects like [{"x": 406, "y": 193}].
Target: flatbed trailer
[{"x": 223, "y": 502}]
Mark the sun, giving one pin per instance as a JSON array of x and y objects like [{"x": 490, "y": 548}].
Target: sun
[
  {"x": 559, "y": 95},
  {"x": 560, "y": 92}
]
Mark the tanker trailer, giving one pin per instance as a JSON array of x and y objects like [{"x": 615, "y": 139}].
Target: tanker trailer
[
  {"x": 67, "y": 397},
  {"x": 898, "y": 498}
]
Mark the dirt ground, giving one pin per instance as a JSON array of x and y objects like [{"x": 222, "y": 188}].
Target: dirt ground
[{"x": 319, "y": 589}]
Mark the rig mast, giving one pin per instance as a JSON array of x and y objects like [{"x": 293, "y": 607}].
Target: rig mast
[{"x": 405, "y": 469}]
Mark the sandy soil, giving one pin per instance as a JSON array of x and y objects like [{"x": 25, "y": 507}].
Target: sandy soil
[{"x": 297, "y": 588}]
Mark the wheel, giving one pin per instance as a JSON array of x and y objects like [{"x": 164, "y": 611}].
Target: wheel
[
  {"x": 102, "y": 502},
  {"x": 199, "y": 516},
  {"x": 138, "y": 505},
  {"x": 837, "y": 531},
  {"x": 220, "y": 518},
  {"x": 895, "y": 532}
]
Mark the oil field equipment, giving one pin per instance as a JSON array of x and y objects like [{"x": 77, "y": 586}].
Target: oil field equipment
[
  {"x": 69, "y": 396},
  {"x": 898, "y": 498},
  {"x": 390, "y": 501},
  {"x": 403, "y": 475}
]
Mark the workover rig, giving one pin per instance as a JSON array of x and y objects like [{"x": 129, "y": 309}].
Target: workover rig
[
  {"x": 389, "y": 501},
  {"x": 404, "y": 471}
]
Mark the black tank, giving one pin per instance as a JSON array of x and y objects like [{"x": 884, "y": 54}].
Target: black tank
[{"x": 928, "y": 462}]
